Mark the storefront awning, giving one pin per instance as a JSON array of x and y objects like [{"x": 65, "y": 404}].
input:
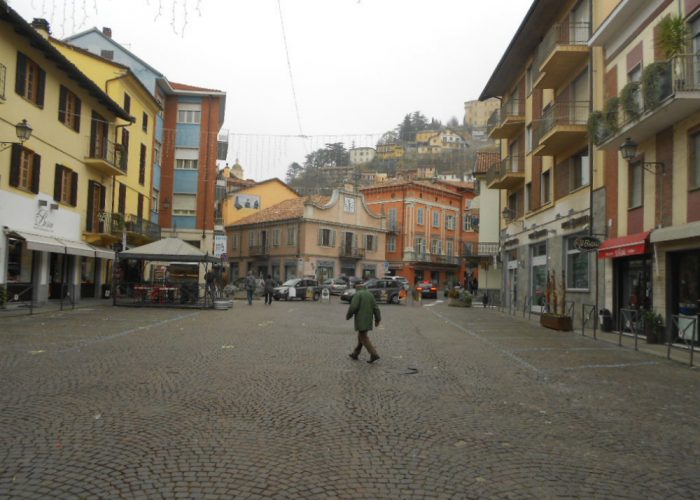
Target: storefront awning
[
  {"x": 632, "y": 244},
  {"x": 77, "y": 248},
  {"x": 680, "y": 232},
  {"x": 39, "y": 242},
  {"x": 104, "y": 253}
]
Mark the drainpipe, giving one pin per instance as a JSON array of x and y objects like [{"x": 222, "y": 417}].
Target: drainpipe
[{"x": 206, "y": 171}]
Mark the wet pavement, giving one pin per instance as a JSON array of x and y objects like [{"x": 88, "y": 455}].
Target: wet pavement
[{"x": 263, "y": 402}]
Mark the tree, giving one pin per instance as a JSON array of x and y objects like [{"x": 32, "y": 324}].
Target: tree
[
  {"x": 294, "y": 170},
  {"x": 454, "y": 124}
]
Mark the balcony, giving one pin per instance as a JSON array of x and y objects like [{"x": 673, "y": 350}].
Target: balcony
[
  {"x": 481, "y": 249},
  {"x": 393, "y": 227},
  {"x": 563, "y": 50},
  {"x": 428, "y": 258},
  {"x": 106, "y": 157},
  {"x": 562, "y": 126},
  {"x": 138, "y": 230},
  {"x": 507, "y": 173},
  {"x": 352, "y": 253},
  {"x": 507, "y": 121},
  {"x": 670, "y": 97},
  {"x": 259, "y": 250}
]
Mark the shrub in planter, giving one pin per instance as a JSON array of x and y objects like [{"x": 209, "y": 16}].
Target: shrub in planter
[
  {"x": 655, "y": 84},
  {"x": 595, "y": 126},
  {"x": 653, "y": 327},
  {"x": 629, "y": 100}
]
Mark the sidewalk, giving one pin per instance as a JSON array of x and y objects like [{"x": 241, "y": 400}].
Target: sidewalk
[{"x": 54, "y": 305}]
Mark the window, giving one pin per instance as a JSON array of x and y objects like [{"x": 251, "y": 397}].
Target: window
[
  {"x": 276, "y": 237},
  {"x": 157, "y": 153},
  {"x": 528, "y": 138},
  {"x": 467, "y": 222},
  {"x": 121, "y": 206},
  {"x": 576, "y": 266},
  {"x": 98, "y": 137},
  {"x": 187, "y": 164},
  {"x": 391, "y": 243},
  {"x": 636, "y": 185},
  {"x": 450, "y": 248},
  {"x": 155, "y": 201},
  {"x": 96, "y": 199},
  {"x": 107, "y": 54},
  {"x": 30, "y": 80},
  {"x": 142, "y": 165},
  {"x": 125, "y": 143},
  {"x": 25, "y": 167},
  {"x": 370, "y": 242},
  {"x": 291, "y": 235},
  {"x": 580, "y": 166},
  {"x": 139, "y": 206},
  {"x": 188, "y": 113},
  {"x": 252, "y": 238},
  {"x": 127, "y": 102},
  {"x": 326, "y": 237},
  {"x": 545, "y": 188},
  {"x": 436, "y": 247},
  {"x": 69, "y": 109},
  {"x": 393, "y": 218},
  {"x": 420, "y": 245},
  {"x": 144, "y": 122},
  {"x": 3, "y": 76},
  {"x": 184, "y": 204},
  {"x": 450, "y": 222},
  {"x": 65, "y": 186},
  {"x": 235, "y": 241},
  {"x": 694, "y": 167},
  {"x": 436, "y": 218},
  {"x": 528, "y": 196},
  {"x": 421, "y": 216},
  {"x": 528, "y": 80}
]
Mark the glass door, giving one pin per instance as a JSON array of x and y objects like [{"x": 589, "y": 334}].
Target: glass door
[{"x": 538, "y": 272}]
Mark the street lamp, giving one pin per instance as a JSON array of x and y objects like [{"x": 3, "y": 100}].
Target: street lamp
[
  {"x": 23, "y": 131},
  {"x": 628, "y": 149}
]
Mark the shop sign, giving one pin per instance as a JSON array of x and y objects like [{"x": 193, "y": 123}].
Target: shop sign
[{"x": 586, "y": 243}]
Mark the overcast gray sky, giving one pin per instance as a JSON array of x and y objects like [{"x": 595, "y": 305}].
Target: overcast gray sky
[{"x": 358, "y": 65}]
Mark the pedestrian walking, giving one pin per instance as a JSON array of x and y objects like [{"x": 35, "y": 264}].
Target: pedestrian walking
[
  {"x": 250, "y": 287},
  {"x": 475, "y": 285},
  {"x": 269, "y": 289},
  {"x": 364, "y": 308}
]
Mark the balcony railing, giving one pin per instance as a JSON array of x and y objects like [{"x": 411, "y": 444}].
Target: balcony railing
[
  {"x": 106, "y": 156},
  {"x": 143, "y": 227},
  {"x": 259, "y": 250},
  {"x": 432, "y": 258},
  {"x": 507, "y": 173},
  {"x": 481, "y": 249},
  {"x": 506, "y": 120},
  {"x": 563, "y": 49},
  {"x": 568, "y": 118},
  {"x": 116, "y": 223},
  {"x": 352, "y": 253},
  {"x": 668, "y": 93}
]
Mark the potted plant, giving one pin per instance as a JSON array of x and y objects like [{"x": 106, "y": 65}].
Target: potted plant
[
  {"x": 629, "y": 100},
  {"x": 459, "y": 298},
  {"x": 553, "y": 318},
  {"x": 655, "y": 84},
  {"x": 673, "y": 39},
  {"x": 653, "y": 327}
]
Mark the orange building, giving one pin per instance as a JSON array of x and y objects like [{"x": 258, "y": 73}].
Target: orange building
[{"x": 425, "y": 228}]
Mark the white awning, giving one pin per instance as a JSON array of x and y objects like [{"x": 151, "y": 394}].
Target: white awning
[
  {"x": 104, "y": 253},
  {"x": 40, "y": 243},
  {"x": 77, "y": 248},
  {"x": 680, "y": 232}
]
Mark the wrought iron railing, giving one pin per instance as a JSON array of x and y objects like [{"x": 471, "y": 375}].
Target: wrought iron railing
[
  {"x": 116, "y": 223},
  {"x": 259, "y": 249},
  {"x": 352, "y": 252},
  {"x": 508, "y": 165},
  {"x": 562, "y": 34},
  {"x": 560, "y": 113},
  {"x": 481, "y": 249},
  {"x": 101, "y": 148}
]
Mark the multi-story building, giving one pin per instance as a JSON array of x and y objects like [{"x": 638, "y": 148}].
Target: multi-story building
[
  {"x": 649, "y": 134},
  {"x": 424, "y": 234},
  {"x": 255, "y": 198},
  {"x": 546, "y": 174},
  {"x": 477, "y": 113},
  {"x": 438, "y": 141},
  {"x": 128, "y": 211},
  {"x": 186, "y": 144},
  {"x": 390, "y": 151},
  {"x": 55, "y": 184},
  {"x": 318, "y": 236},
  {"x": 359, "y": 156}
]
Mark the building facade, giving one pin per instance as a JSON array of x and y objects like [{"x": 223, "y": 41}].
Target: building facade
[
  {"x": 359, "y": 156},
  {"x": 55, "y": 184},
  {"x": 311, "y": 236},
  {"x": 477, "y": 113}
]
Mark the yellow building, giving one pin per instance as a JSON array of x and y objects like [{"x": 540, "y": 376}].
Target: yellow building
[
  {"x": 55, "y": 185},
  {"x": 252, "y": 199},
  {"x": 390, "y": 151},
  {"x": 131, "y": 205}
]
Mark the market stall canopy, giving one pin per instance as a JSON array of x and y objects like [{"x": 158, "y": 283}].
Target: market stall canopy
[{"x": 168, "y": 249}]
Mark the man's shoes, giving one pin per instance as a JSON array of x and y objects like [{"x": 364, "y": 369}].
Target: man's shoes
[
  {"x": 373, "y": 358},
  {"x": 353, "y": 355}
]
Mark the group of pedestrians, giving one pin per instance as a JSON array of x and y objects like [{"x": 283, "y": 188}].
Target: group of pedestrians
[{"x": 250, "y": 284}]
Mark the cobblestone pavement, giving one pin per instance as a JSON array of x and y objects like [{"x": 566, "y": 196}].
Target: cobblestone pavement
[{"x": 263, "y": 402}]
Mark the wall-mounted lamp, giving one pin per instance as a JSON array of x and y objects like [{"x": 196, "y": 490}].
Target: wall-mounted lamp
[
  {"x": 23, "y": 131},
  {"x": 628, "y": 149}
]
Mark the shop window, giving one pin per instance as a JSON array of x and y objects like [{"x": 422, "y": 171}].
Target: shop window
[
  {"x": 69, "y": 106},
  {"x": 577, "y": 266}
]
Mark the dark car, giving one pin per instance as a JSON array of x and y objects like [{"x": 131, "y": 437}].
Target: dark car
[
  {"x": 301, "y": 287},
  {"x": 427, "y": 290},
  {"x": 384, "y": 290},
  {"x": 336, "y": 286}
]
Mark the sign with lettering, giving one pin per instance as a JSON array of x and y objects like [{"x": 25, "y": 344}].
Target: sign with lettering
[{"x": 586, "y": 243}]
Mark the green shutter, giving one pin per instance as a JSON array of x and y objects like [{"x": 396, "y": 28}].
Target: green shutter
[
  {"x": 74, "y": 189},
  {"x": 14, "y": 165},
  {"x": 36, "y": 172},
  {"x": 57, "y": 182},
  {"x": 21, "y": 77}
]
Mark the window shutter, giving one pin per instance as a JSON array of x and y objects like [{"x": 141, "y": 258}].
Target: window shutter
[
  {"x": 40, "y": 90},
  {"x": 21, "y": 78},
  {"x": 103, "y": 201},
  {"x": 122, "y": 198},
  {"x": 139, "y": 209},
  {"x": 74, "y": 189},
  {"x": 62, "y": 104},
  {"x": 90, "y": 206},
  {"x": 14, "y": 165},
  {"x": 57, "y": 181},
  {"x": 320, "y": 237},
  {"x": 36, "y": 172},
  {"x": 76, "y": 125},
  {"x": 93, "y": 134},
  {"x": 333, "y": 238}
]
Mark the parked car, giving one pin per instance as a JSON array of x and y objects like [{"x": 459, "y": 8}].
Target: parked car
[
  {"x": 336, "y": 286},
  {"x": 427, "y": 290},
  {"x": 300, "y": 285},
  {"x": 384, "y": 290},
  {"x": 400, "y": 279}
]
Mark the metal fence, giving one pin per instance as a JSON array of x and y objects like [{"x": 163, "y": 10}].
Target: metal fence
[
  {"x": 186, "y": 295},
  {"x": 17, "y": 298}
]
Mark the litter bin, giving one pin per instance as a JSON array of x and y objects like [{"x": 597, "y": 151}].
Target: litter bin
[
  {"x": 606, "y": 323},
  {"x": 106, "y": 291}
]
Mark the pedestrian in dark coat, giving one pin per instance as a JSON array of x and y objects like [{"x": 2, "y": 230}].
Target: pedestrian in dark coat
[
  {"x": 364, "y": 308},
  {"x": 269, "y": 289},
  {"x": 250, "y": 287}
]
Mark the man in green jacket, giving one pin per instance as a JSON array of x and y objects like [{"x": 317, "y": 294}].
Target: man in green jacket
[{"x": 364, "y": 308}]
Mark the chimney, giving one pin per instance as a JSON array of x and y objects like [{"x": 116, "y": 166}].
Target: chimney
[
  {"x": 107, "y": 31},
  {"x": 42, "y": 26}
]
